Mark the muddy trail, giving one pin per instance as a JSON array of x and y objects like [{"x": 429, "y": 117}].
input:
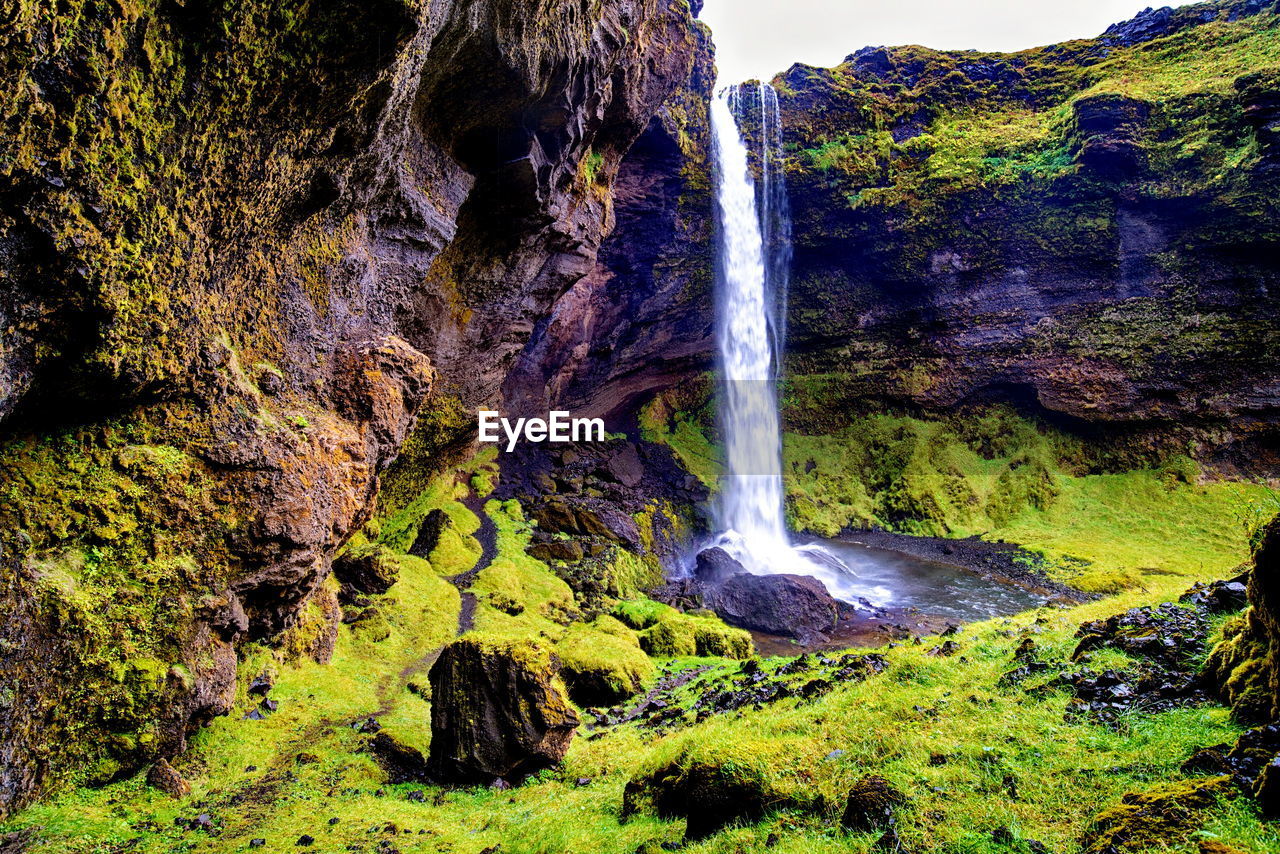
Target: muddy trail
[{"x": 487, "y": 534}]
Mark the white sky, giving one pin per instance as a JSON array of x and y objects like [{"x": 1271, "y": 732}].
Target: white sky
[{"x": 759, "y": 38}]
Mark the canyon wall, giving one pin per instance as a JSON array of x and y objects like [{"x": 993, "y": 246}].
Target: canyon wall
[{"x": 243, "y": 245}]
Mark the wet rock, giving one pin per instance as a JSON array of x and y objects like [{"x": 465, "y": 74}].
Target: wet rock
[
  {"x": 870, "y": 805},
  {"x": 498, "y": 710},
  {"x": 1166, "y": 634},
  {"x": 1220, "y": 597},
  {"x": 402, "y": 762},
  {"x": 1266, "y": 791},
  {"x": 428, "y": 537},
  {"x": 370, "y": 569},
  {"x": 789, "y": 605},
  {"x": 715, "y": 566},
  {"x": 261, "y": 684},
  {"x": 165, "y": 777}
]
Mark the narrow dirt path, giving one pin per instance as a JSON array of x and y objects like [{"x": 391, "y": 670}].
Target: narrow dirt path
[{"x": 487, "y": 534}]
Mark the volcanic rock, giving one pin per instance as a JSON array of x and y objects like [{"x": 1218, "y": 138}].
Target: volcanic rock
[
  {"x": 402, "y": 762},
  {"x": 715, "y": 566},
  {"x": 371, "y": 569},
  {"x": 433, "y": 525},
  {"x": 792, "y": 605},
  {"x": 498, "y": 709},
  {"x": 165, "y": 777},
  {"x": 708, "y": 795}
]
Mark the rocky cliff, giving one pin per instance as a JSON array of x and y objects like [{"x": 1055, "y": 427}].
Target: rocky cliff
[
  {"x": 1086, "y": 230},
  {"x": 241, "y": 245}
]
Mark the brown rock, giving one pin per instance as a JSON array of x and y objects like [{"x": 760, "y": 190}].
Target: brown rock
[
  {"x": 499, "y": 710},
  {"x": 165, "y": 777}
]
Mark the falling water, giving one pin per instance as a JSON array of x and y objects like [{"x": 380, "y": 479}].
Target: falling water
[{"x": 753, "y": 264}]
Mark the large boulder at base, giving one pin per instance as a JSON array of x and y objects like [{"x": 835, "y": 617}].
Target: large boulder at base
[
  {"x": 716, "y": 566},
  {"x": 368, "y": 569},
  {"x": 793, "y": 605},
  {"x": 498, "y": 710}
]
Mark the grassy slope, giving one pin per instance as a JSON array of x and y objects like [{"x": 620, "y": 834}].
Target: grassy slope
[{"x": 310, "y": 766}]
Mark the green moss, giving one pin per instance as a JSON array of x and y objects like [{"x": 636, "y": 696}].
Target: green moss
[{"x": 603, "y": 662}]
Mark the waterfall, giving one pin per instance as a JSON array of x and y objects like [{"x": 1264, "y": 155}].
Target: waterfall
[{"x": 754, "y": 263}]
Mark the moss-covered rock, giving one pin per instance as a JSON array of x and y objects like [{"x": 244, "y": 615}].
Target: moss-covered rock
[
  {"x": 1158, "y": 816},
  {"x": 1244, "y": 668},
  {"x": 498, "y": 711},
  {"x": 602, "y": 662}
]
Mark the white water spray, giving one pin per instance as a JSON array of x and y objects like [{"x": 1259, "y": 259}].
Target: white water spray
[{"x": 752, "y": 273}]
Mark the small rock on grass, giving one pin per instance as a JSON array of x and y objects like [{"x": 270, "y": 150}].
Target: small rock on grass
[{"x": 165, "y": 777}]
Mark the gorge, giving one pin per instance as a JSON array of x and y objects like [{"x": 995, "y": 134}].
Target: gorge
[{"x": 1016, "y": 327}]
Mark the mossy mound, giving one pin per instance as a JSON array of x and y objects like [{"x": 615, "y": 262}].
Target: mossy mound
[
  {"x": 710, "y": 795},
  {"x": 1155, "y": 818},
  {"x": 602, "y": 662},
  {"x": 667, "y": 633}
]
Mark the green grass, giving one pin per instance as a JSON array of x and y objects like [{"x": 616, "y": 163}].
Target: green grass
[{"x": 1145, "y": 533}]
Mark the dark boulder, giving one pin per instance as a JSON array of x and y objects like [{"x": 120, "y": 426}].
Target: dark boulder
[
  {"x": 792, "y": 605},
  {"x": 498, "y": 710},
  {"x": 403, "y": 762},
  {"x": 433, "y": 525},
  {"x": 369, "y": 569},
  {"x": 871, "y": 804},
  {"x": 709, "y": 796},
  {"x": 624, "y": 468},
  {"x": 715, "y": 566},
  {"x": 1220, "y": 597},
  {"x": 1267, "y": 790}
]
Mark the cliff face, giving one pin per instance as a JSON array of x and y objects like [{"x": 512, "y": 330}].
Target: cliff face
[
  {"x": 641, "y": 319},
  {"x": 240, "y": 245},
  {"x": 1086, "y": 230}
]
